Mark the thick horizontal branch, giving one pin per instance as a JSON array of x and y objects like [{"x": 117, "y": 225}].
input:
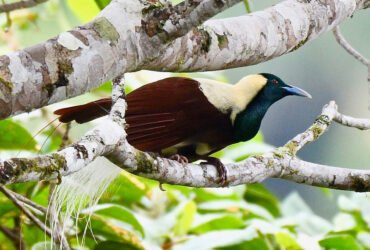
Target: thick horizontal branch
[
  {"x": 119, "y": 40},
  {"x": 100, "y": 141},
  {"x": 175, "y": 21},
  {"x": 254, "y": 38},
  {"x": 76, "y": 61},
  {"x": 281, "y": 163},
  {"x": 109, "y": 140}
]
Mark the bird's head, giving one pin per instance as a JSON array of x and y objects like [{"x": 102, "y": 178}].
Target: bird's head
[{"x": 275, "y": 89}]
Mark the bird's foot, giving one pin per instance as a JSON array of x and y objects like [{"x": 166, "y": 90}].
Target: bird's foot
[
  {"x": 221, "y": 169},
  {"x": 179, "y": 158}
]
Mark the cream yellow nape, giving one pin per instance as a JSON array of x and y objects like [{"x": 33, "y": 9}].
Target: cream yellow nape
[{"x": 234, "y": 98}]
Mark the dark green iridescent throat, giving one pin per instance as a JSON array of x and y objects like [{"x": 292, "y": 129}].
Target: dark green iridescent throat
[{"x": 248, "y": 122}]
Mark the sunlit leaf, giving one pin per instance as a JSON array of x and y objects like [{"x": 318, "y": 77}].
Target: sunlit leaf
[
  {"x": 102, "y": 3},
  {"x": 286, "y": 241},
  {"x": 46, "y": 245},
  {"x": 255, "y": 244},
  {"x": 217, "y": 239},
  {"x": 128, "y": 189},
  {"x": 85, "y": 10},
  {"x": 104, "y": 228},
  {"x": 185, "y": 219},
  {"x": 340, "y": 242},
  {"x": 203, "y": 194},
  {"x": 118, "y": 213},
  {"x": 220, "y": 223},
  {"x": 14, "y": 137},
  {"x": 247, "y": 6},
  {"x": 230, "y": 206}
]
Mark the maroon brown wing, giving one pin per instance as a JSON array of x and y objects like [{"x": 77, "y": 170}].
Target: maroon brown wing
[{"x": 170, "y": 111}]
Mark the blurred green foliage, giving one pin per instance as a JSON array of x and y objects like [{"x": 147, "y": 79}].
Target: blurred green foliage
[{"x": 134, "y": 213}]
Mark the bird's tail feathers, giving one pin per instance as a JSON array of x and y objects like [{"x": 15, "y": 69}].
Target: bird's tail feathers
[
  {"x": 79, "y": 193},
  {"x": 86, "y": 112}
]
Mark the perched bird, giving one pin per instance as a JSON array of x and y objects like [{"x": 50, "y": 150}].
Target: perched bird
[{"x": 189, "y": 119}]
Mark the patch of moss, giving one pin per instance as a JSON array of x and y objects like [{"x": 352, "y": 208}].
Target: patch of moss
[
  {"x": 359, "y": 184},
  {"x": 270, "y": 163},
  {"x": 317, "y": 131},
  {"x": 65, "y": 66},
  {"x": 179, "y": 62},
  {"x": 281, "y": 152},
  {"x": 60, "y": 161},
  {"x": 152, "y": 6},
  {"x": 291, "y": 147},
  {"x": 7, "y": 84},
  {"x": 203, "y": 38},
  {"x": 223, "y": 41},
  {"x": 144, "y": 164},
  {"x": 105, "y": 29},
  {"x": 300, "y": 44}
]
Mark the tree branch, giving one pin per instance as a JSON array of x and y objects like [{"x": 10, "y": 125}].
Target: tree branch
[
  {"x": 108, "y": 139},
  {"x": 352, "y": 51},
  {"x": 119, "y": 40},
  {"x": 28, "y": 213},
  {"x": 253, "y": 38},
  {"x": 171, "y": 22},
  {"x": 20, "y": 5}
]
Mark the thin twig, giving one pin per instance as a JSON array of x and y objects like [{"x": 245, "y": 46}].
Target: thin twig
[
  {"x": 27, "y": 201},
  {"x": 343, "y": 42},
  {"x": 65, "y": 138},
  {"x": 8, "y": 7},
  {"x": 27, "y": 212},
  {"x": 19, "y": 244},
  {"x": 14, "y": 235}
]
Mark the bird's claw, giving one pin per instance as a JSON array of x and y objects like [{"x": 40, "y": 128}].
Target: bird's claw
[
  {"x": 221, "y": 169},
  {"x": 179, "y": 158}
]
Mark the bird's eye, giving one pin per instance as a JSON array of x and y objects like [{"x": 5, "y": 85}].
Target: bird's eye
[{"x": 275, "y": 82}]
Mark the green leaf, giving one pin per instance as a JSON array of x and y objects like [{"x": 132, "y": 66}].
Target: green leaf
[
  {"x": 286, "y": 241},
  {"x": 14, "y": 137},
  {"x": 113, "y": 245},
  {"x": 85, "y": 10},
  {"x": 340, "y": 242},
  {"x": 226, "y": 205},
  {"x": 127, "y": 189},
  {"x": 247, "y": 7},
  {"x": 51, "y": 142},
  {"x": 101, "y": 227},
  {"x": 204, "y": 194},
  {"x": 255, "y": 244},
  {"x": 260, "y": 195},
  {"x": 217, "y": 239},
  {"x": 119, "y": 213},
  {"x": 221, "y": 223},
  {"x": 46, "y": 245},
  {"x": 185, "y": 219},
  {"x": 102, "y": 3}
]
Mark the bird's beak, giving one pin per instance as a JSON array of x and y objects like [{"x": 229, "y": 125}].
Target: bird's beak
[{"x": 291, "y": 90}]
